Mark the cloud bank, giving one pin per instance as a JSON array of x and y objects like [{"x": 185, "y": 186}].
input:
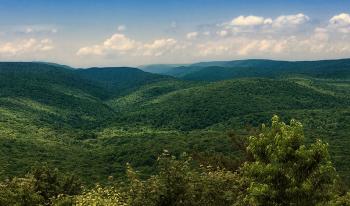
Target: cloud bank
[
  {"x": 25, "y": 46},
  {"x": 290, "y": 36}
]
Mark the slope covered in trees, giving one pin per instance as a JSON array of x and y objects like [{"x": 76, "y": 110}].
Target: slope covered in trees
[
  {"x": 48, "y": 111},
  {"x": 117, "y": 81},
  {"x": 208, "y": 104},
  {"x": 93, "y": 121},
  {"x": 215, "y": 71}
]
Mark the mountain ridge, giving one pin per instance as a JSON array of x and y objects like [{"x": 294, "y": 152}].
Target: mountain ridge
[{"x": 221, "y": 70}]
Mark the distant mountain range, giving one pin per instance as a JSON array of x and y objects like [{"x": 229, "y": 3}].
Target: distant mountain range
[{"x": 221, "y": 70}]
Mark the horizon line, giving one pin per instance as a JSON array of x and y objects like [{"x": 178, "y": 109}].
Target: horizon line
[{"x": 182, "y": 64}]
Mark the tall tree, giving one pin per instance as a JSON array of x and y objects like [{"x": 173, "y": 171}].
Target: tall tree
[{"x": 285, "y": 171}]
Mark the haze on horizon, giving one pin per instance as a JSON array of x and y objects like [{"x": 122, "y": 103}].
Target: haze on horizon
[{"x": 131, "y": 33}]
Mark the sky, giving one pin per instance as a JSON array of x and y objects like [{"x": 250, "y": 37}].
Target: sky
[{"x": 85, "y": 33}]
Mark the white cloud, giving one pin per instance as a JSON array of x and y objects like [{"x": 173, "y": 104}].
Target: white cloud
[
  {"x": 117, "y": 42},
  {"x": 192, "y": 35},
  {"x": 249, "y": 21},
  {"x": 342, "y": 19},
  {"x": 120, "y": 44},
  {"x": 285, "y": 36},
  {"x": 243, "y": 37},
  {"x": 242, "y": 46},
  {"x": 290, "y": 20},
  {"x": 121, "y": 28},
  {"x": 25, "y": 46},
  {"x": 253, "y": 24},
  {"x": 267, "y": 46},
  {"x": 320, "y": 44},
  {"x": 340, "y": 23},
  {"x": 212, "y": 49},
  {"x": 321, "y": 34},
  {"x": 158, "y": 47}
]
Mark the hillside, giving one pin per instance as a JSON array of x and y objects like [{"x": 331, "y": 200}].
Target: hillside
[
  {"x": 160, "y": 68},
  {"x": 201, "y": 106},
  {"x": 117, "y": 81},
  {"x": 322, "y": 105},
  {"x": 51, "y": 95},
  {"x": 215, "y": 71},
  {"x": 47, "y": 111},
  {"x": 93, "y": 121}
]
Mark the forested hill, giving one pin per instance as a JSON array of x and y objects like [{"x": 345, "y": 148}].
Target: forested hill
[
  {"x": 214, "y": 71},
  {"x": 119, "y": 80},
  {"x": 99, "y": 82},
  {"x": 93, "y": 121},
  {"x": 202, "y": 106},
  {"x": 69, "y": 96}
]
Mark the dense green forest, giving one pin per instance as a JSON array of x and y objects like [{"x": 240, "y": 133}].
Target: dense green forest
[{"x": 178, "y": 136}]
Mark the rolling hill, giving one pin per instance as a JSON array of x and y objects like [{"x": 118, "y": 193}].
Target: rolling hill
[
  {"x": 199, "y": 107},
  {"x": 160, "y": 68},
  {"x": 93, "y": 121},
  {"x": 322, "y": 105},
  {"x": 51, "y": 95},
  {"x": 117, "y": 81},
  {"x": 47, "y": 110},
  {"x": 215, "y": 71}
]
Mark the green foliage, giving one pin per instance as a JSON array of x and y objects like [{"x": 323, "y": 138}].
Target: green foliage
[
  {"x": 278, "y": 169},
  {"x": 19, "y": 191},
  {"x": 101, "y": 196},
  {"x": 50, "y": 183},
  {"x": 343, "y": 200},
  {"x": 38, "y": 187},
  {"x": 179, "y": 183},
  {"x": 93, "y": 121},
  {"x": 118, "y": 81},
  {"x": 284, "y": 170},
  {"x": 203, "y": 106}
]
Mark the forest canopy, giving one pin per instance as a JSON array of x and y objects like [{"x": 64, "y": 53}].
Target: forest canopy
[{"x": 279, "y": 168}]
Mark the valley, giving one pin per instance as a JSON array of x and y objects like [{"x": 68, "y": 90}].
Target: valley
[{"x": 94, "y": 121}]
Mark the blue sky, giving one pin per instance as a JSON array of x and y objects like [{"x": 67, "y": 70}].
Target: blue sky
[{"x": 134, "y": 32}]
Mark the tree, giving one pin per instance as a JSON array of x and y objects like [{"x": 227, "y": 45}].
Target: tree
[
  {"x": 284, "y": 171},
  {"x": 50, "y": 183},
  {"x": 178, "y": 183},
  {"x": 19, "y": 191},
  {"x": 39, "y": 187}
]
